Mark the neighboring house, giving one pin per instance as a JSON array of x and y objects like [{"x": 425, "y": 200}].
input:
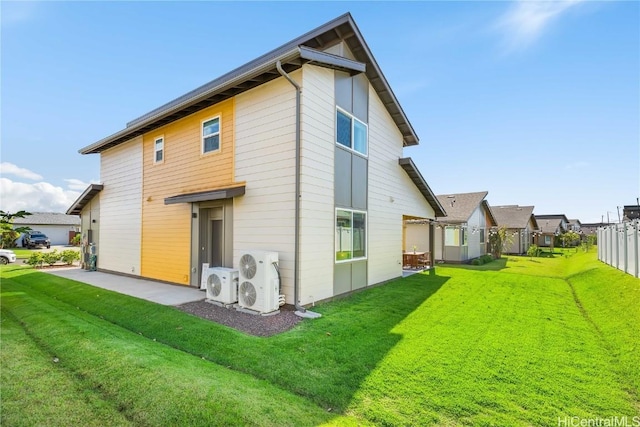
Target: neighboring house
[
  {"x": 249, "y": 162},
  {"x": 462, "y": 234},
  {"x": 520, "y": 224},
  {"x": 59, "y": 228},
  {"x": 591, "y": 228},
  {"x": 574, "y": 225},
  {"x": 630, "y": 212},
  {"x": 549, "y": 227}
]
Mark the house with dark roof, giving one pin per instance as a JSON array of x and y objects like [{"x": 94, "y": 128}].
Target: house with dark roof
[
  {"x": 461, "y": 234},
  {"x": 299, "y": 151},
  {"x": 59, "y": 228},
  {"x": 630, "y": 212},
  {"x": 520, "y": 224},
  {"x": 550, "y": 226}
]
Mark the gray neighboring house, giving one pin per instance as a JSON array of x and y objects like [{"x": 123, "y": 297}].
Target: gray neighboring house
[
  {"x": 550, "y": 226},
  {"x": 520, "y": 222},
  {"x": 58, "y": 227},
  {"x": 462, "y": 235}
]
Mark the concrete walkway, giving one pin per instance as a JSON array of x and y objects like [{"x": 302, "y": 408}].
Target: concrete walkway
[{"x": 150, "y": 290}]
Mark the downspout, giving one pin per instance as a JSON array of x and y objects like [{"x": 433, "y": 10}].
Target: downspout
[{"x": 300, "y": 310}]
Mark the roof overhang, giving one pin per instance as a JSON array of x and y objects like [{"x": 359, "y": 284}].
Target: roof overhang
[
  {"x": 487, "y": 208},
  {"x": 84, "y": 198},
  {"x": 410, "y": 168},
  {"x": 204, "y": 196},
  {"x": 306, "y": 49}
]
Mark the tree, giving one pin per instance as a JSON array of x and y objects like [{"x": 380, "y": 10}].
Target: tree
[
  {"x": 8, "y": 233},
  {"x": 569, "y": 238},
  {"x": 499, "y": 238}
]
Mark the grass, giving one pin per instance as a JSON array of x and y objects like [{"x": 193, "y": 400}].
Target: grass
[
  {"x": 518, "y": 341},
  {"x": 21, "y": 253}
]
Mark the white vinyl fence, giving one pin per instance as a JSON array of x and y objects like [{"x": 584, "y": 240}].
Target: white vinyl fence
[{"x": 618, "y": 246}]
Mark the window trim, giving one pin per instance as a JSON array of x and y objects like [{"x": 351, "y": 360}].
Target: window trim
[
  {"x": 366, "y": 236},
  {"x": 219, "y": 133},
  {"x": 353, "y": 128},
  {"x": 155, "y": 150}
]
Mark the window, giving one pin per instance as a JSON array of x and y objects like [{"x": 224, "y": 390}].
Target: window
[
  {"x": 351, "y": 235},
  {"x": 482, "y": 235},
  {"x": 211, "y": 135},
  {"x": 351, "y": 132},
  {"x": 463, "y": 234},
  {"x": 158, "y": 150},
  {"x": 547, "y": 240},
  {"x": 451, "y": 236}
]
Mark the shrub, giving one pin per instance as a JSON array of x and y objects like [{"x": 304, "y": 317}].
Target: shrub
[
  {"x": 77, "y": 239},
  {"x": 533, "y": 251},
  {"x": 69, "y": 256},
  {"x": 476, "y": 261},
  {"x": 35, "y": 260},
  {"x": 51, "y": 257},
  {"x": 486, "y": 258}
]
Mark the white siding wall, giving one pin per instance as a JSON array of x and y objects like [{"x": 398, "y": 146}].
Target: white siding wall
[
  {"x": 120, "y": 221},
  {"x": 478, "y": 221},
  {"x": 391, "y": 195},
  {"x": 317, "y": 214},
  {"x": 264, "y": 217}
]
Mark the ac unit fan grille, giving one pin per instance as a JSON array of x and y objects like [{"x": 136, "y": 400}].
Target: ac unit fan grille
[
  {"x": 247, "y": 293},
  {"x": 215, "y": 285},
  {"x": 248, "y": 266}
]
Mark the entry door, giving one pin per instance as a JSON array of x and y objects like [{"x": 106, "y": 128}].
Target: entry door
[{"x": 212, "y": 237}]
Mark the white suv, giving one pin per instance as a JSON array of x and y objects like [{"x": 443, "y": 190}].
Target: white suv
[{"x": 7, "y": 256}]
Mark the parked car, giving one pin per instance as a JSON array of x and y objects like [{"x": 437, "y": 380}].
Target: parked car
[
  {"x": 37, "y": 239},
  {"x": 7, "y": 256}
]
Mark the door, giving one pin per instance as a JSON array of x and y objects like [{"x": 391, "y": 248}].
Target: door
[{"x": 211, "y": 239}]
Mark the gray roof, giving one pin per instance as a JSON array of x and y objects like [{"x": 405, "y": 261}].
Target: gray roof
[
  {"x": 48, "y": 218},
  {"x": 553, "y": 216},
  {"x": 513, "y": 216},
  {"x": 302, "y": 50},
  {"x": 460, "y": 206},
  {"x": 549, "y": 225}
]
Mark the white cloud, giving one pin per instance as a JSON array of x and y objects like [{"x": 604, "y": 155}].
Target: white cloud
[
  {"x": 76, "y": 184},
  {"x": 7, "y": 168},
  {"x": 526, "y": 20},
  {"x": 37, "y": 197}
]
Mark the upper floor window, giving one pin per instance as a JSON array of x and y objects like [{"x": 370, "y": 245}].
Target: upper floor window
[
  {"x": 351, "y": 132},
  {"x": 211, "y": 135},
  {"x": 158, "y": 150}
]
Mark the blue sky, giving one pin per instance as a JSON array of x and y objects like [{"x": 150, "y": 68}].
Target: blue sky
[{"x": 537, "y": 103}]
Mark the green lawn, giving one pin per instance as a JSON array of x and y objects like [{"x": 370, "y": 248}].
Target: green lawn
[{"x": 518, "y": 341}]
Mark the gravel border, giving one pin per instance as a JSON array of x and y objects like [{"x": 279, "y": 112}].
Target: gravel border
[{"x": 253, "y": 324}]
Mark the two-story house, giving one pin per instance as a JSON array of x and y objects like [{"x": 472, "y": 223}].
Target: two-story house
[{"x": 299, "y": 151}]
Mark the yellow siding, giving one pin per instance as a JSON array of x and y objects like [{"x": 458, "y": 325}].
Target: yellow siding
[{"x": 166, "y": 229}]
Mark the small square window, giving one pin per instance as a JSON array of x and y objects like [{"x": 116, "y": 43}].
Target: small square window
[
  {"x": 158, "y": 150},
  {"x": 211, "y": 135}
]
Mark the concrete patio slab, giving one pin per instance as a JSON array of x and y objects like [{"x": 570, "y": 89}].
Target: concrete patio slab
[{"x": 161, "y": 293}]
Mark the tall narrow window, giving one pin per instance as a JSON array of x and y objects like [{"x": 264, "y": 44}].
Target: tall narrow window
[
  {"x": 158, "y": 150},
  {"x": 211, "y": 135},
  {"x": 351, "y": 132},
  {"x": 351, "y": 235}
]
